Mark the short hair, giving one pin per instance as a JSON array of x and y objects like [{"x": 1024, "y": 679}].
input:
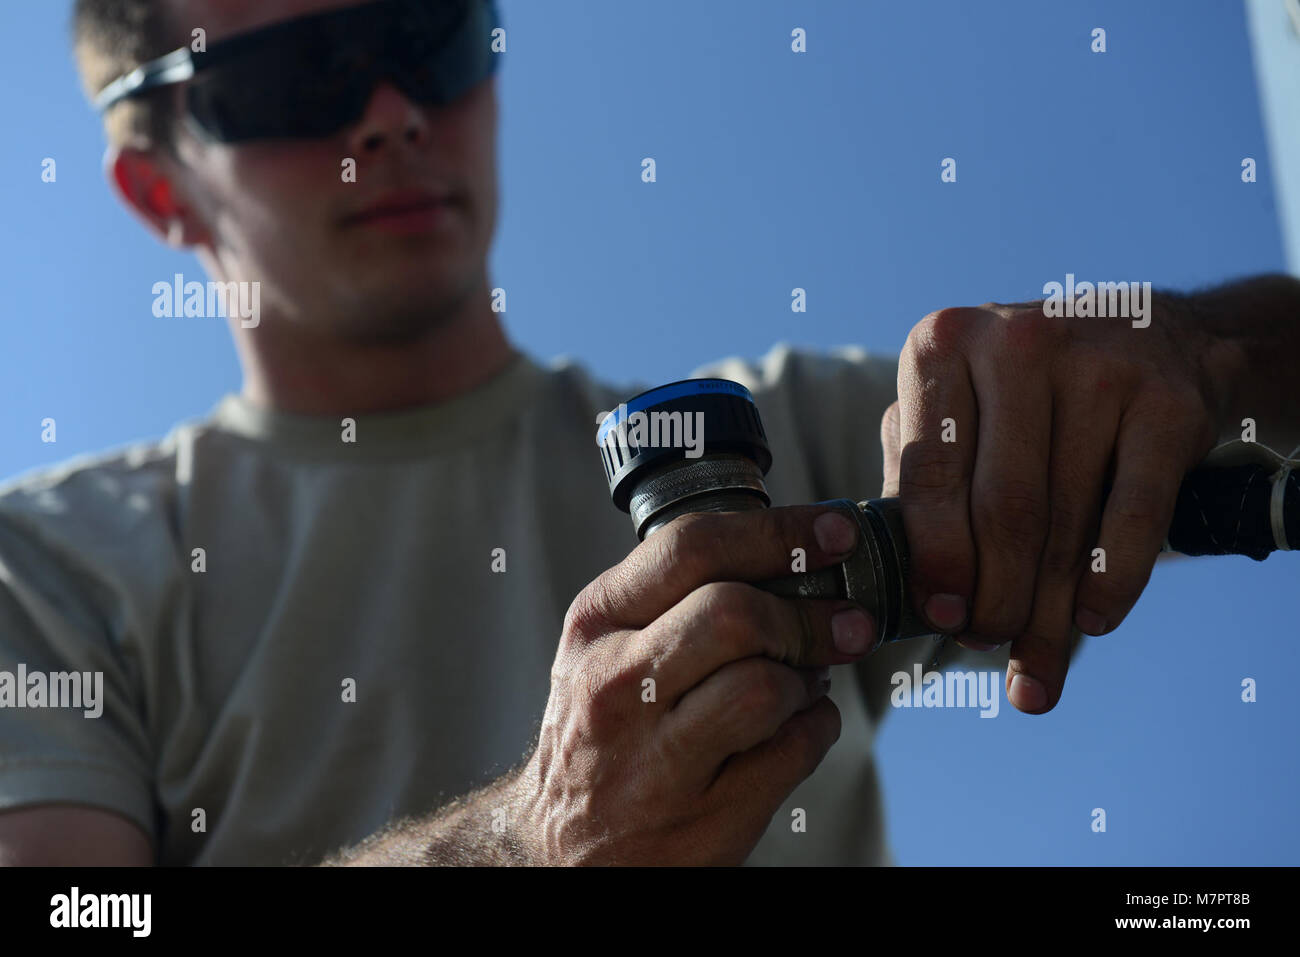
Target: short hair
[{"x": 113, "y": 37}]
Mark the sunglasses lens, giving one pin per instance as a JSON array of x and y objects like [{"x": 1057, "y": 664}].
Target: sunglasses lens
[
  {"x": 313, "y": 78},
  {"x": 247, "y": 104},
  {"x": 448, "y": 57}
]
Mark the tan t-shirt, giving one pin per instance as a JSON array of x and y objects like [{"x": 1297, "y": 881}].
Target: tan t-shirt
[{"x": 227, "y": 732}]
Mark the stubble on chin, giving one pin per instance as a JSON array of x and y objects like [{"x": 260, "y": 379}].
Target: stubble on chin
[{"x": 390, "y": 319}]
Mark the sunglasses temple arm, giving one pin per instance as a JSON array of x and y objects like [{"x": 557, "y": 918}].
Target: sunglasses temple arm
[{"x": 175, "y": 67}]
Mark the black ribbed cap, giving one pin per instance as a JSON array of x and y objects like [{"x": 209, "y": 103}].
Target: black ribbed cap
[{"x": 730, "y": 423}]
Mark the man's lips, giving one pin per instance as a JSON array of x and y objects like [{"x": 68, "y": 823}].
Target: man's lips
[{"x": 405, "y": 210}]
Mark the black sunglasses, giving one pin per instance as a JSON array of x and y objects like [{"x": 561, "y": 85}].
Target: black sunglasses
[{"x": 313, "y": 76}]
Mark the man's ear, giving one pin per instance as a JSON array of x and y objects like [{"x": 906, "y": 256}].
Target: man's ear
[{"x": 145, "y": 186}]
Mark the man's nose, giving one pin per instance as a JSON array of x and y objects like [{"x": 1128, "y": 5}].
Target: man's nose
[{"x": 390, "y": 118}]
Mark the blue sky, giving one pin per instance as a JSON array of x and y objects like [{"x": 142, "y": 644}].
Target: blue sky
[{"x": 821, "y": 171}]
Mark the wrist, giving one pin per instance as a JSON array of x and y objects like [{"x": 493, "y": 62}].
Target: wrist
[{"x": 519, "y": 799}]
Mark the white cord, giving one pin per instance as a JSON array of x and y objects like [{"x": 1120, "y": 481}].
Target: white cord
[{"x": 1279, "y": 479}]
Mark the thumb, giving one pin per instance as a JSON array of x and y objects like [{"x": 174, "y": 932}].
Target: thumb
[{"x": 890, "y": 440}]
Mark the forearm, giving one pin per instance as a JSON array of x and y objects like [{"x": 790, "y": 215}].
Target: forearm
[
  {"x": 1252, "y": 353},
  {"x": 480, "y": 828}
]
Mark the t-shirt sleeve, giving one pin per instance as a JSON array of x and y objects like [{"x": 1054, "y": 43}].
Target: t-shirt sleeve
[
  {"x": 58, "y": 645},
  {"x": 829, "y": 404}
]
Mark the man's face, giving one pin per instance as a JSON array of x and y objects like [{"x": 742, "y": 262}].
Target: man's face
[{"x": 280, "y": 212}]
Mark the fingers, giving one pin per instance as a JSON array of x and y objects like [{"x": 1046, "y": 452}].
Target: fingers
[
  {"x": 703, "y": 547},
  {"x": 1152, "y": 456},
  {"x": 1036, "y": 670},
  {"x": 736, "y": 708},
  {"x": 777, "y": 766},
  {"x": 1009, "y": 488},
  {"x": 937, "y": 431},
  {"x": 723, "y": 622},
  {"x": 891, "y": 445},
  {"x": 1042, "y": 409},
  {"x": 1040, "y": 655}
]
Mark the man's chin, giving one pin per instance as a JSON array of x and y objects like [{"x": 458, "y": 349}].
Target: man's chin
[{"x": 386, "y": 318}]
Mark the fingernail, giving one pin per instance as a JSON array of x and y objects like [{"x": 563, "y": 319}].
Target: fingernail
[
  {"x": 835, "y": 533},
  {"x": 1027, "y": 694},
  {"x": 968, "y": 642},
  {"x": 852, "y": 631},
  {"x": 946, "y": 612},
  {"x": 1089, "y": 622}
]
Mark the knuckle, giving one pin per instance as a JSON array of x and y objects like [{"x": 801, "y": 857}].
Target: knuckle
[
  {"x": 943, "y": 332},
  {"x": 759, "y": 692},
  {"x": 928, "y": 467},
  {"x": 1177, "y": 407},
  {"x": 1189, "y": 403},
  {"x": 1011, "y": 512},
  {"x": 1062, "y": 558},
  {"x": 1065, "y": 552},
  {"x": 729, "y": 608},
  {"x": 590, "y": 614},
  {"x": 827, "y": 730},
  {"x": 1135, "y": 506},
  {"x": 1094, "y": 371},
  {"x": 689, "y": 542},
  {"x": 622, "y": 680},
  {"x": 804, "y": 739},
  {"x": 1027, "y": 333}
]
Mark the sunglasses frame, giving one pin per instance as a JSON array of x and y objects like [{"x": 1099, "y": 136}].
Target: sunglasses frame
[{"x": 184, "y": 64}]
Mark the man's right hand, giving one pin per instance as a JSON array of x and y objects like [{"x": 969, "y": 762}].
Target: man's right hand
[{"x": 686, "y": 705}]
